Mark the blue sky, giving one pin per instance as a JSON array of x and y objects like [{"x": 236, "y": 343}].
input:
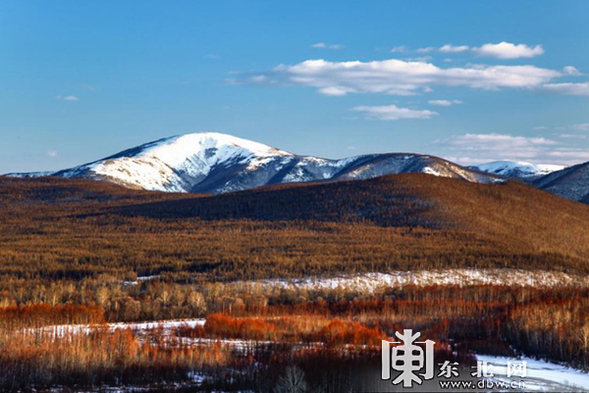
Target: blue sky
[{"x": 470, "y": 81}]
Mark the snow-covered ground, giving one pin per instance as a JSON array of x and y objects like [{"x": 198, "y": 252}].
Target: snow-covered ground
[
  {"x": 370, "y": 282},
  {"x": 540, "y": 375},
  {"x": 165, "y": 325},
  {"x": 138, "y": 327},
  {"x": 141, "y": 279}
]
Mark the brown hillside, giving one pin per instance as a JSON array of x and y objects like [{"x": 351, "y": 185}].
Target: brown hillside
[
  {"x": 511, "y": 212},
  {"x": 59, "y": 228}
]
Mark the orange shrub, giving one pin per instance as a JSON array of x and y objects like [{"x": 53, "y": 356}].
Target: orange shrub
[
  {"x": 221, "y": 325},
  {"x": 339, "y": 332}
]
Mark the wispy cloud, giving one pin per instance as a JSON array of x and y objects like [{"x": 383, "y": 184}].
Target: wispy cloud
[
  {"x": 477, "y": 148},
  {"x": 398, "y": 77},
  {"x": 488, "y": 147},
  {"x": 67, "y": 98},
  {"x": 422, "y": 59},
  {"x": 449, "y": 48},
  {"x": 212, "y": 56},
  {"x": 445, "y": 102},
  {"x": 502, "y": 50},
  {"x": 575, "y": 136},
  {"x": 323, "y": 45},
  {"x": 573, "y": 71},
  {"x": 581, "y": 127},
  {"x": 570, "y": 155},
  {"x": 572, "y": 89},
  {"x": 333, "y": 91},
  {"x": 427, "y": 49},
  {"x": 52, "y": 153},
  {"x": 393, "y": 112}
]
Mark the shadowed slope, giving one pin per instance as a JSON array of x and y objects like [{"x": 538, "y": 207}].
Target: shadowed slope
[{"x": 571, "y": 182}]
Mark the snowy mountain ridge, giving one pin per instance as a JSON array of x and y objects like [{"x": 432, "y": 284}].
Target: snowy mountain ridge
[
  {"x": 517, "y": 169},
  {"x": 215, "y": 163}
]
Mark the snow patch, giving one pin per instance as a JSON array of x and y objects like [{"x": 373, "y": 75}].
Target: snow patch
[
  {"x": 370, "y": 282},
  {"x": 540, "y": 375}
]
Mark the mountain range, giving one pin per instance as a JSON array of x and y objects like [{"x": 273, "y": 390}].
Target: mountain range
[
  {"x": 218, "y": 163},
  {"x": 517, "y": 169}
]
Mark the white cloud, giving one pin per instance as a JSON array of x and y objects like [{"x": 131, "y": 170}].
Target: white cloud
[
  {"x": 398, "y": 77},
  {"x": 577, "y": 136},
  {"x": 52, "y": 153},
  {"x": 323, "y": 45},
  {"x": 507, "y": 50},
  {"x": 572, "y": 89},
  {"x": 498, "y": 146},
  {"x": 502, "y": 50},
  {"x": 497, "y": 141},
  {"x": 477, "y": 148},
  {"x": 445, "y": 102},
  {"x": 213, "y": 56},
  {"x": 422, "y": 59},
  {"x": 570, "y": 70},
  {"x": 570, "y": 156},
  {"x": 67, "y": 98},
  {"x": 581, "y": 127},
  {"x": 393, "y": 112},
  {"x": 449, "y": 48},
  {"x": 333, "y": 91}
]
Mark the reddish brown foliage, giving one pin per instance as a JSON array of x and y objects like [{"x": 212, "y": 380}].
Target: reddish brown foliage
[{"x": 44, "y": 314}]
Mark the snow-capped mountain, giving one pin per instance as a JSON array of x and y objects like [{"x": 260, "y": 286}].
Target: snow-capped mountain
[
  {"x": 28, "y": 175},
  {"x": 216, "y": 163},
  {"x": 517, "y": 169},
  {"x": 571, "y": 182}
]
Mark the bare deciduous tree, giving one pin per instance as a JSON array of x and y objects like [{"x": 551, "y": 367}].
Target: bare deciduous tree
[{"x": 293, "y": 381}]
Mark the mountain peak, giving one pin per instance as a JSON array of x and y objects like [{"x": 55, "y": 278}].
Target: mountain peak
[{"x": 180, "y": 147}]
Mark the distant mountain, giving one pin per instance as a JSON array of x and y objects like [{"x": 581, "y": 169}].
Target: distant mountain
[
  {"x": 217, "y": 163},
  {"x": 571, "y": 182},
  {"x": 28, "y": 175},
  {"x": 517, "y": 169}
]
